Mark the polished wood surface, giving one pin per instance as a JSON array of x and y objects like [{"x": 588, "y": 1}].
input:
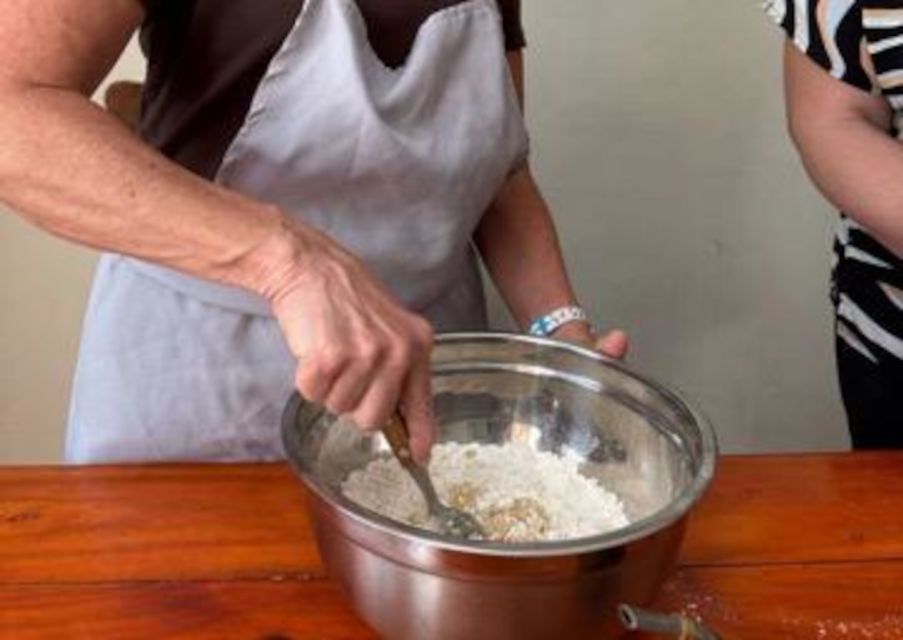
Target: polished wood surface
[{"x": 781, "y": 547}]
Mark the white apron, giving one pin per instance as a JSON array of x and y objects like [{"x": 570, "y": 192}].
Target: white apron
[{"x": 397, "y": 165}]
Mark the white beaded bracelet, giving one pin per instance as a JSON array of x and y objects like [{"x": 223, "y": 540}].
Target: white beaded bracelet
[{"x": 546, "y": 325}]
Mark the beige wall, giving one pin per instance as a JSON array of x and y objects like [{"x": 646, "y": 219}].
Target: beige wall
[{"x": 657, "y": 132}]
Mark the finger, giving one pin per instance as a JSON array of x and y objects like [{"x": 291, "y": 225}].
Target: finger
[
  {"x": 381, "y": 398},
  {"x": 417, "y": 406},
  {"x": 614, "y": 344},
  {"x": 316, "y": 374},
  {"x": 384, "y": 397},
  {"x": 376, "y": 407},
  {"x": 351, "y": 386},
  {"x": 348, "y": 390}
]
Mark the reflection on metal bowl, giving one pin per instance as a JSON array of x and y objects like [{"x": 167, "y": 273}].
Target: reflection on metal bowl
[{"x": 636, "y": 437}]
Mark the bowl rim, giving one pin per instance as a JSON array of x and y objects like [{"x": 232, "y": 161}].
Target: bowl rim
[{"x": 642, "y": 528}]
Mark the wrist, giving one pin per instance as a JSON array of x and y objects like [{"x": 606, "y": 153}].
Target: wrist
[
  {"x": 576, "y": 332},
  {"x": 563, "y": 320},
  {"x": 276, "y": 260}
]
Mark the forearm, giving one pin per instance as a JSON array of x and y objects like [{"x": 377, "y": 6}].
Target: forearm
[
  {"x": 859, "y": 168},
  {"x": 841, "y": 132},
  {"x": 520, "y": 247},
  {"x": 71, "y": 168}
]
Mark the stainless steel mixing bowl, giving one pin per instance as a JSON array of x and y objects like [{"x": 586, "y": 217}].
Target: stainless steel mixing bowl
[{"x": 639, "y": 439}]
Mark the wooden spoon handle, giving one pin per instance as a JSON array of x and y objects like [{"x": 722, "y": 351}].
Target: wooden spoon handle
[{"x": 396, "y": 432}]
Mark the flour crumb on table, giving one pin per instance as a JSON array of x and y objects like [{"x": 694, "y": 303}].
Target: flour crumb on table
[{"x": 517, "y": 493}]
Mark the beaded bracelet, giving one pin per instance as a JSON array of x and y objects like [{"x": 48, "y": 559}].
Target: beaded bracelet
[{"x": 546, "y": 325}]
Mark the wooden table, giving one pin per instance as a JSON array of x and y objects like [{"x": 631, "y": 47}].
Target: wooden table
[{"x": 782, "y": 547}]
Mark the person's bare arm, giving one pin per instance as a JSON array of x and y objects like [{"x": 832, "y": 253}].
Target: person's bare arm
[
  {"x": 842, "y": 136},
  {"x": 71, "y": 168},
  {"x": 519, "y": 244}
]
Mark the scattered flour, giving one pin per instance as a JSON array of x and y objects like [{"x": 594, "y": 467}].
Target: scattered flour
[{"x": 517, "y": 493}]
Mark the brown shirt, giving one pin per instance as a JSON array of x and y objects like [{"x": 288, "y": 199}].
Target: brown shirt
[{"x": 206, "y": 58}]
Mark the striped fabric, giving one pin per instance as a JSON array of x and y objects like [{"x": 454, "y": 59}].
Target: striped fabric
[{"x": 859, "y": 42}]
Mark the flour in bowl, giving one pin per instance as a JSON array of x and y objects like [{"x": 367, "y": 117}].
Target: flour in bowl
[{"x": 517, "y": 493}]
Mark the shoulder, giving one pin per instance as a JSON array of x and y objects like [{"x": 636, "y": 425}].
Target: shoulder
[{"x": 831, "y": 33}]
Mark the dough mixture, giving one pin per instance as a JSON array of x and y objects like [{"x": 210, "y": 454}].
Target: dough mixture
[{"x": 517, "y": 493}]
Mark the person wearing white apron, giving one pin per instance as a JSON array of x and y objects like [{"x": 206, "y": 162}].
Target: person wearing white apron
[{"x": 380, "y": 181}]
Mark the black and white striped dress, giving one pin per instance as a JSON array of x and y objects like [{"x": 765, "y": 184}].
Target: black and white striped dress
[{"x": 860, "y": 42}]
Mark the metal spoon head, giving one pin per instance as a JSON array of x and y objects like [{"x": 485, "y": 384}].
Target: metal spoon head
[
  {"x": 452, "y": 522},
  {"x": 459, "y": 524}
]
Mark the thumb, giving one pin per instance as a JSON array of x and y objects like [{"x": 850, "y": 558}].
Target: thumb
[{"x": 614, "y": 344}]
